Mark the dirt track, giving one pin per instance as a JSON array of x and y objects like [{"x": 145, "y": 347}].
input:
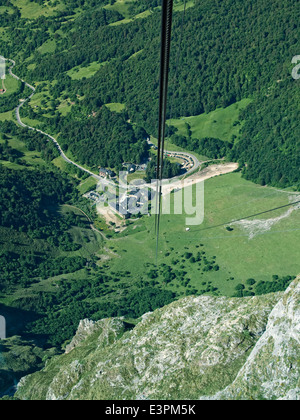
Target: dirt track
[{"x": 207, "y": 173}]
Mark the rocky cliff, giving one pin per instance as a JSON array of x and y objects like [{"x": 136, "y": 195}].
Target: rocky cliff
[{"x": 197, "y": 347}]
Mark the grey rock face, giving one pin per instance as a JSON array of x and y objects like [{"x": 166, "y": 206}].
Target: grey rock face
[
  {"x": 198, "y": 347},
  {"x": 272, "y": 369}
]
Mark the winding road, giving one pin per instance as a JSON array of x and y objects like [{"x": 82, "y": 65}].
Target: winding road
[
  {"x": 181, "y": 155},
  {"x": 17, "y": 112}
]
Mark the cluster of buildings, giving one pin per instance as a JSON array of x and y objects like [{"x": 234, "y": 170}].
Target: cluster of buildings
[
  {"x": 134, "y": 202},
  {"x": 130, "y": 168},
  {"x": 106, "y": 173}
]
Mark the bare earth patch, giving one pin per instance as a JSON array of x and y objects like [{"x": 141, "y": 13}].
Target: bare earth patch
[{"x": 256, "y": 227}]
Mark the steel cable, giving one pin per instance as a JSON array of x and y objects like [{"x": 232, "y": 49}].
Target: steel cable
[{"x": 166, "y": 30}]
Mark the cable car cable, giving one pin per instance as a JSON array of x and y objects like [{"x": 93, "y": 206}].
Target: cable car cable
[
  {"x": 247, "y": 217},
  {"x": 166, "y": 30}
]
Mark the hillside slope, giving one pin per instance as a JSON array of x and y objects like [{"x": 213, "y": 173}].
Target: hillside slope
[
  {"x": 272, "y": 368},
  {"x": 83, "y": 58},
  {"x": 198, "y": 347}
]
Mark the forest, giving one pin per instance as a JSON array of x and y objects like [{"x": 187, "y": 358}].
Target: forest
[
  {"x": 210, "y": 147},
  {"x": 11, "y": 101},
  {"x": 29, "y": 203},
  {"x": 33, "y": 140},
  {"x": 30, "y": 200},
  {"x": 9, "y": 154},
  {"x": 22, "y": 271},
  {"x": 170, "y": 170},
  {"x": 102, "y": 139},
  {"x": 78, "y": 300},
  {"x": 25, "y": 197},
  {"x": 215, "y": 62},
  {"x": 269, "y": 143}
]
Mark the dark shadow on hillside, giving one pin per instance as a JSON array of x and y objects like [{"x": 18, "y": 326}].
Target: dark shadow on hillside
[
  {"x": 21, "y": 353},
  {"x": 17, "y": 320}
]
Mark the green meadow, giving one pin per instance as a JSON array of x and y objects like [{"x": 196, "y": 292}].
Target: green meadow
[
  {"x": 221, "y": 123},
  {"x": 11, "y": 85},
  {"x": 179, "y": 5},
  {"x": 173, "y": 148},
  {"x": 123, "y": 7},
  {"x": 90, "y": 242},
  {"x": 142, "y": 15},
  {"x": 87, "y": 185},
  {"x": 273, "y": 251},
  {"x": 34, "y": 10},
  {"x": 115, "y": 107},
  {"x": 48, "y": 47},
  {"x": 31, "y": 158},
  {"x": 6, "y": 116},
  {"x": 80, "y": 72},
  {"x": 44, "y": 100},
  {"x": 6, "y": 9}
]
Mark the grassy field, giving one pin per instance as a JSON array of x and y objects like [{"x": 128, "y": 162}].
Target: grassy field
[
  {"x": 173, "y": 148},
  {"x": 78, "y": 72},
  {"x": 121, "y": 6},
  {"x": 142, "y": 15},
  {"x": 32, "y": 158},
  {"x": 135, "y": 54},
  {"x": 87, "y": 185},
  {"x": 6, "y": 9},
  {"x": 11, "y": 85},
  {"x": 179, "y": 5},
  {"x": 65, "y": 107},
  {"x": 48, "y": 47},
  {"x": 37, "y": 99},
  {"x": 44, "y": 99},
  {"x": 74, "y": 172},
  {"x": 272, "y": 251},
  {"x": 6, "y": 116},
  {"x": 91, "y": 244},
  {"x": 220, "y": 123},
  {"x": 115, "y": 107},
  {"x": 29, "y": 122},
  {"x": 33, "y": 10}
]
